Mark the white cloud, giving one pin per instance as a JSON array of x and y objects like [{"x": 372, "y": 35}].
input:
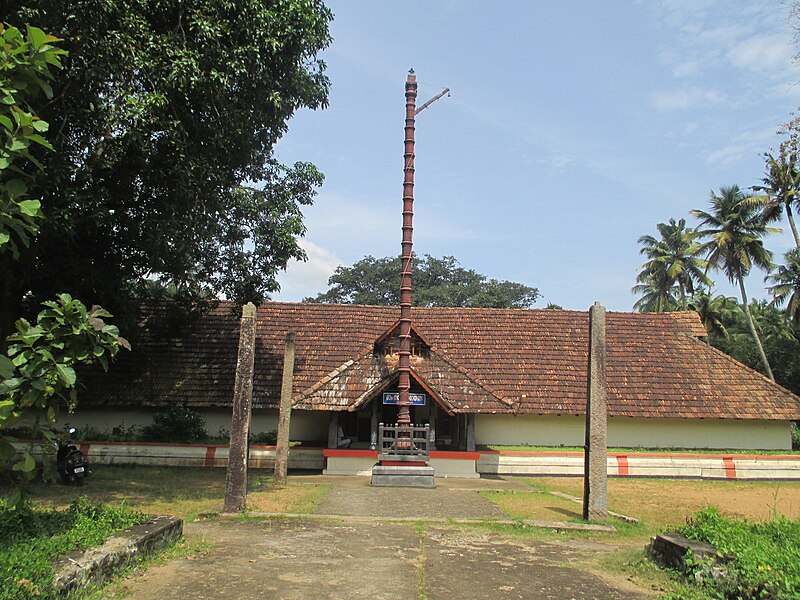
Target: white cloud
[
  {"x": 684, "y": 98},
  {"x": 557, "y": 161},
  {"x": 762, "y": 52},
  {"x": 303, "y": 279},
  {"x": 746, "y": 144}
]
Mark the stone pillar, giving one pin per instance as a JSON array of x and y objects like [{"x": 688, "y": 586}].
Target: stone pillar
[
  {"x": 470, "y": 446},
  {"x": 236, "y": 478},
  {"x": 333, "y": 430},
  {"x": 373, "y": 426},
  {"x": 432, "y": 419},
  {"x": 595, "y": 477},
  {"x": 285, "y": 413}
]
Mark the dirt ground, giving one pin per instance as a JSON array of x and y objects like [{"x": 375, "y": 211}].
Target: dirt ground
[{"x": 667, "y": 502}]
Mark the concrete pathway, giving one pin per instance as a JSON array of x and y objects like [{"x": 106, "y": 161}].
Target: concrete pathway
[
  {"x": 377, "y": 558},
  {"x": 452, "y": 498},
  {"x": 297, "y": 560}
]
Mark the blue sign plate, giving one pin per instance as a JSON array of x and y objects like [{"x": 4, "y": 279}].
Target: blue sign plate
[{"x": 413, "y": 399}]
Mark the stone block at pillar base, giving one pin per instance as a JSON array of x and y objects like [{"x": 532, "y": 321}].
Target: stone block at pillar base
[{"x": 402, "y": 476}]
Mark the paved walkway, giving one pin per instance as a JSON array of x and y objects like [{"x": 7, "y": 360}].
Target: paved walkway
[{"x": 378, "y": 559}]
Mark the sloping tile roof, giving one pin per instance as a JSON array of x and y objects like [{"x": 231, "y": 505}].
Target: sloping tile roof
[{"x": 481, "y": 360}]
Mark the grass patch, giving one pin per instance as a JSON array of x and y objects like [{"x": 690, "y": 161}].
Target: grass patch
[
  {"x": 765, "y": 556},
  {"x": 663, "y": 503},
  {"x": 186, "y": 492},
  {"x": 533, "y": 505},
  {"x": 302, "y": 498},
  {"x": 32, "y": 538}
]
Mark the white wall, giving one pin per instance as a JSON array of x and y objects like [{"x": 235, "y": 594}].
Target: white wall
[
  {"x": 306, "y": 425},
  {"x": 626, "y": 432},
  {"x": 504, "y": 429}
]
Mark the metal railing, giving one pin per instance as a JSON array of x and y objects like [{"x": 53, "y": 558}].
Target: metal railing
[{"x": 406, "y": 441}]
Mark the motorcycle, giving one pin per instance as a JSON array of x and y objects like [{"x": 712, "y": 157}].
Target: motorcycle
[{"x": 71, "y": 464}]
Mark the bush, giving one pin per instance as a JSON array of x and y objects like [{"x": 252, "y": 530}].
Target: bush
[
  {"x": 795, "y": 436},
  {"x": 176, "y": 424},
  {"x": 265, "y": 438},
  {"x": 31, "y": 539},
  {"x": 765, "y": 559}
]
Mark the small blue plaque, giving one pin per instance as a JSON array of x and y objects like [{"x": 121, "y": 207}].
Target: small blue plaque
[{"x": 413, "y": 399}]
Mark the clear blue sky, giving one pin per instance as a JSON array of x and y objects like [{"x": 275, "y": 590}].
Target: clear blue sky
[{"x": 573, "y": 129}]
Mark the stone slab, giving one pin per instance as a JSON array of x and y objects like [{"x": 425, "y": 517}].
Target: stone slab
[
  {"x": 670, "y": 550},
  {"x": 402, "y": 476},
  {"x": 97, "y": 565}
]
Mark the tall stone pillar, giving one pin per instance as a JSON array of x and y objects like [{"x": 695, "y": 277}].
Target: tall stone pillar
[
  {"x": 470, "y": 446},
  {"x": 284, "y": 416},
  {"x": 595, "y": 477},
  {"x": 333, "y": 430},
  {"x": 236, "y": 479},
  {"x": 373, "y": 426}
]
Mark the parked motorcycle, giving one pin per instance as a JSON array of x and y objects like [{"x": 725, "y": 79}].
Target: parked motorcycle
[{"x": 71, "y": 464}]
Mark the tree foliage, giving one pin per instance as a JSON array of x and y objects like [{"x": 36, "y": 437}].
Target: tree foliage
[
  {"x": 673, "y": 261},
  {"x": 436, "y": 281},
  {"x": 786, "y": 285},
  {"x": 38, "y": 372},
  {"x": 779, "y": 340},
  {"x": 26, "y": 61},
  {"x": 734, "y": 230},
  {"x": 164, "y": 122}
]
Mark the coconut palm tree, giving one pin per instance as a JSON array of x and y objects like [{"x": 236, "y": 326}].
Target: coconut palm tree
[
  {"x": 786, "y": 285},
  {"x": 734, "y": 229},
  {"x": 676, "y": 257},
  {"x": 657, "y": 291},
  {"x": 716, "y": 312},
  {"x": 781, "y": 188}
]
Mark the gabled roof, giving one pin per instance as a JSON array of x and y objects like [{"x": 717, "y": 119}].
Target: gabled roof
[{"x": 481, "y": 360}]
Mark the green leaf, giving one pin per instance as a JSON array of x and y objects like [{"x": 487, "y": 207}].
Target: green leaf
[
  {"x": 36, "y": 36},
  {"x": 40, "y": 126},
  {"x": 6, "y": 409},
  {"x": 30, "y": 207},
  {"x": 16, "y": 188},
  {"x": 7, "y": 451},
  {"x": 66, "y": 374},
  {"x": 6, "y": 367},
  {"x": 26, "y": 465}
]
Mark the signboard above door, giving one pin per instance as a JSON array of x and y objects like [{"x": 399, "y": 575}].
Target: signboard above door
[{"x": 413, "y": 399}]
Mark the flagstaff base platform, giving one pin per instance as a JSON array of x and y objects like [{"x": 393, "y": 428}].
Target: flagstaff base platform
[{"x": 416, "y": 476}]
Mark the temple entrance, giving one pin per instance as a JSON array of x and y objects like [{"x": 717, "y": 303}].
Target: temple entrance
[{"x": 449, "y": 432}]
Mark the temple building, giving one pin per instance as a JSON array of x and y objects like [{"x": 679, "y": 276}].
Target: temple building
[{"x": 479, "y": 377}]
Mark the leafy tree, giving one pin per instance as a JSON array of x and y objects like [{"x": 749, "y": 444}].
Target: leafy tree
[
  {"x": 26, "y": 60},
  {"x": 164, "y": 123},
  {"x": 786, "y": 285},
  {"x": 734, "y": 229},
  {"x": 436, "y": 281},
  {"x": 673, "y": 259},
  {"x": 715, "y": 312},
  {"x": 657, "y": 292},
  {"x": 782, "y": 187},
  {"x": 779, "y": 342},
  {"x": 38, "y": 371}
]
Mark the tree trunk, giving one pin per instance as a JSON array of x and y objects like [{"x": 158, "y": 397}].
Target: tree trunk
[
  {"x": 753, "y": 330},
  {"x": 683, "y": 295},
  {"x": 790, "y": 217}
]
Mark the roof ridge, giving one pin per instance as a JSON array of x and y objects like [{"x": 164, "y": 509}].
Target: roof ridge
[{"x": 302, "y": 395}]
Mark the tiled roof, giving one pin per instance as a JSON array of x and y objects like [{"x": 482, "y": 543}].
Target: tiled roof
[{"x": 481, "y": 360}]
